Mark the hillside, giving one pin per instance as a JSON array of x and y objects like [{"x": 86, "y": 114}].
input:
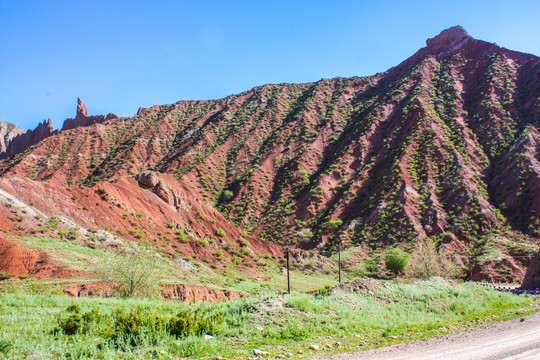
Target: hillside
[{"x": 445, "y": 145}]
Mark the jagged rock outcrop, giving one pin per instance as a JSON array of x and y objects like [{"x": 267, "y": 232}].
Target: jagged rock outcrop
[
  {"x": 448, "y": 42},
  {"x": 449, "y": 38},
  {"x": 82, "y": 119},
  {"x": 82, "y": 112},
  {"x": 532, "y": 276},
  {"x": 8, "y": 131},
  {"x": 155, "y": 182},
  {"x": 27, "y": 139},
  {"x": 14, "y": 140}
]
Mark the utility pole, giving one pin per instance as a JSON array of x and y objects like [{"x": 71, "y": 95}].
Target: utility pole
[
  {"x": 470, "y": 267},
  {"x": 339, "y": 260},
  {"x": 288, "y": 277}
]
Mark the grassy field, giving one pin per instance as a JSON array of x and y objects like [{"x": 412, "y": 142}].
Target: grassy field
[
  {"x": 49, "y": 326},
  {"x": 268, "y": 278}
]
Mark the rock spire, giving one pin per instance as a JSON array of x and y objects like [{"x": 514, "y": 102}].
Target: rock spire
[{"x": 82, "y": 112}]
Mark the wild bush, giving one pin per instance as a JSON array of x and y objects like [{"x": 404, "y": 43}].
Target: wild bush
[
  {"x": 221, "y": 233},
  {"x": 198, "y": 322},
  {"x": 75, "y": 322},
  {"x": 429, "y": 261},
  {"x": 396, "y": 260},
  {"x": 243, "y": 242},
  {"x": 73, "y": 233},
  {"x": 334, "y": 224},
  {"x": 132, "y": 327},
  {"x": 304, "y": 235},
  {"x": 324, "y": 291},
  {"x": 181, "y": 236},
  {"x": 5, "y": 346},
  {"x": 227, "y": 195},
  {"x": 52, "y": 223},
  {"x": 128, "y": 276}
]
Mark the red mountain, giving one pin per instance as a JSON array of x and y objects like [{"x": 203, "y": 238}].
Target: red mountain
[{"x": 445, "y": 145}]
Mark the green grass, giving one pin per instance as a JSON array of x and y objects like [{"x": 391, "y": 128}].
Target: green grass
[
  {"x": 279, "y": 324},
  {"x": 83, "y": 258}
]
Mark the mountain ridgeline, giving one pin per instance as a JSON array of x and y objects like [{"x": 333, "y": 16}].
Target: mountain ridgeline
[{"x": 445, "y": 145}]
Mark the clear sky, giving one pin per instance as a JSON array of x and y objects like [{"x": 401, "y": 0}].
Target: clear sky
[{"x": 120, "y": 55}]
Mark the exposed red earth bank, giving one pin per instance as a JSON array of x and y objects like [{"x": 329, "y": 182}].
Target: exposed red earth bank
[
  {"x": 183, "y": 293},
  {"x": 17, "y": 260}
]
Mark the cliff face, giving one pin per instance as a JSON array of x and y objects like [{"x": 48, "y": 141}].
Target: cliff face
[
  {"x": 7, "y": 132},
  {"x": 444, "y": 145},
  {"x": 532, "y": 277},
  {"x": 24, "y": 140}
]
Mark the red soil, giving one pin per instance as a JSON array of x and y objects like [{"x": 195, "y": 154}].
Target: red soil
[
  {"x": 18, "y": 260},
  {"x": 183, "y": 293}
]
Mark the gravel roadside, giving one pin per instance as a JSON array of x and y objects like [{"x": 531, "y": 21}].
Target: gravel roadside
[{"x": 514, "y": 339}]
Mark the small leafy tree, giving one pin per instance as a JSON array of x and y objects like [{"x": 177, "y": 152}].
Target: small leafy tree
[
  {"x": 227, "y": 195},
  {"x": 334, "y": 224},
  {"x": 52, "y": 223},
  {"x": 181, "y": 236},
  {"x": 221, "y": 233},
  {"x": 429, "y": 261},
  {"x": 129, "y": 275},
  {"x": 73, "y": 233},
  {"x": 396, "y": 260},
  {"x": 304, "y": 235}
]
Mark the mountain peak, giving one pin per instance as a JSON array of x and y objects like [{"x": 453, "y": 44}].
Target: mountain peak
[{"x": 449, "y": 37}]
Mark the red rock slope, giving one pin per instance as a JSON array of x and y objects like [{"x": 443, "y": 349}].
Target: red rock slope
[{"x": 444, "y": 145}]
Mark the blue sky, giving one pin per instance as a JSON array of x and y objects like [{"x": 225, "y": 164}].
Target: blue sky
[{"x": 120, "y": 55}]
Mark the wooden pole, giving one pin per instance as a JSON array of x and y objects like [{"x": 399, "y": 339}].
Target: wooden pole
[
  {"x": 339, "y": 260},
  {"x": 470, "y": 266},
  {"x": 288, "y": 277}
]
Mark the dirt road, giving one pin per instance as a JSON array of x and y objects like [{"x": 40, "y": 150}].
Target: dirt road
[{"x": 515, "y": 339}]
